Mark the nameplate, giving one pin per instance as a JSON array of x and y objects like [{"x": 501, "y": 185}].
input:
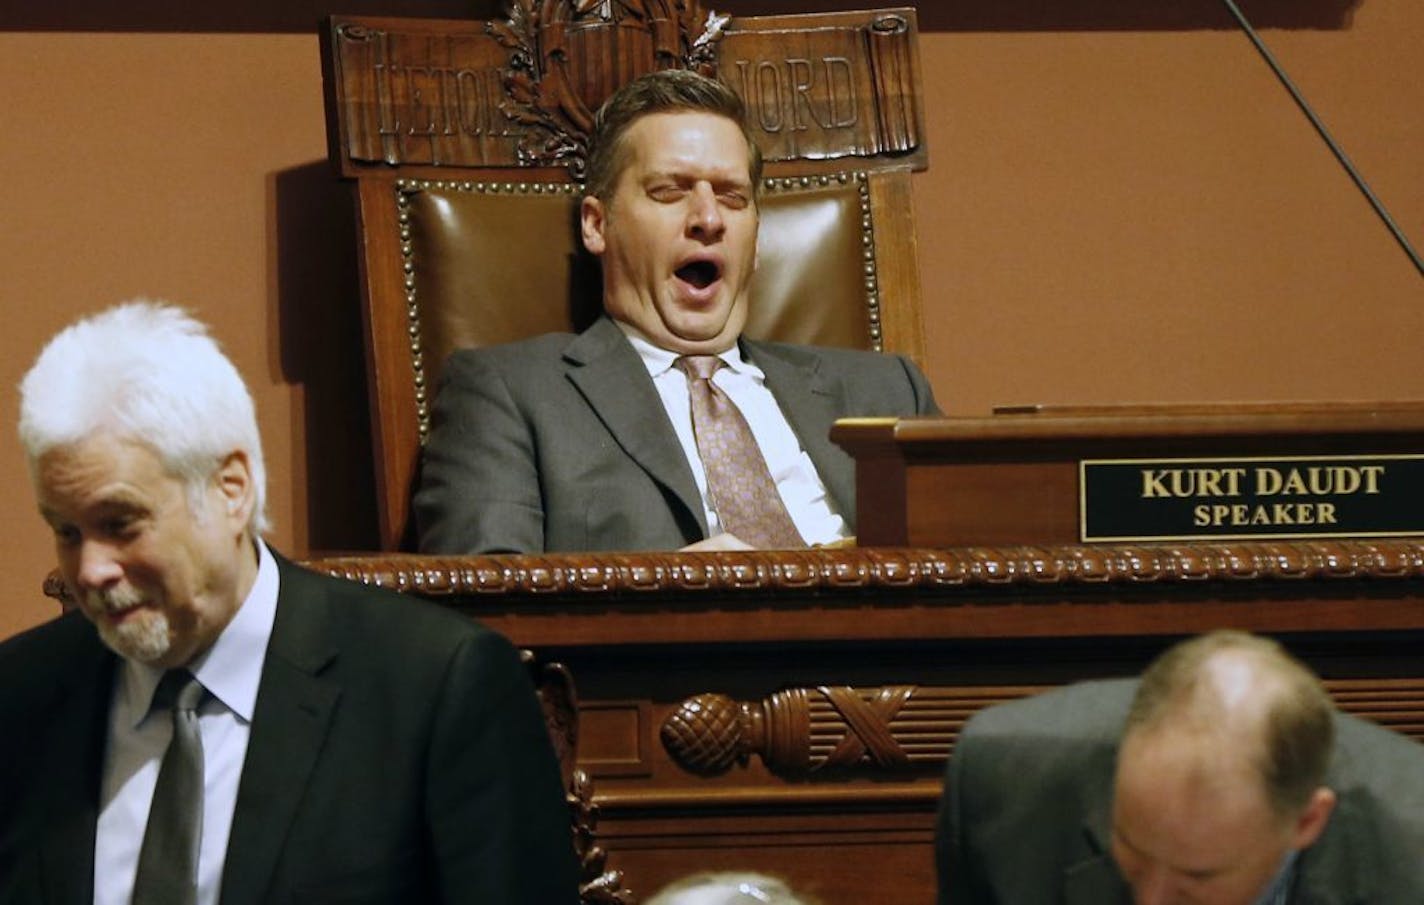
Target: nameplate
[{"x": 1250, "y": 498}]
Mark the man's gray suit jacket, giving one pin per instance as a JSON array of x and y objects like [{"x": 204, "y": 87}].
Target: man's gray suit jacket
[
  {"x": 397, "y": 754},
  {"x": 561, "y": 442},
  {"x": 1024, "y": 819}
]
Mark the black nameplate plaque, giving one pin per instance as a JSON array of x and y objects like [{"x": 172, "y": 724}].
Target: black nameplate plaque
[{"x": 1250, "y": 498}]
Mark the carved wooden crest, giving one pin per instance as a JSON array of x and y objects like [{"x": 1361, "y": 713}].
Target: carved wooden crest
[
  {"x": 521, "y": 91},
  {"x": 567, "y": 57}
]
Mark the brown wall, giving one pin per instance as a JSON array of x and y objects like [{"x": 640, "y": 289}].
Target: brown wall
[{"x": 1117, "y": 209}]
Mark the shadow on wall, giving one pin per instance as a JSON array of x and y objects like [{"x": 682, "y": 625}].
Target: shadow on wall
[
  {"x": 320, "y": 349},
  {"x": 935, "y": 15}
]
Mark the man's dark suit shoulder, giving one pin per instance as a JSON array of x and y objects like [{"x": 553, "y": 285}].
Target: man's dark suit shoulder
[
  {"x": 515, "y": 355},
  {"x": 384, "y": 622},
  {"x": 1089, "y": 710},
  {"x": 881, "y": 376},
  {"x": 66, "y": 634},
  {"x": 836, "y": 354},
  {"x": 37, "y": 667},
  {"x": 1063, "y": 742},
  {"x": 420, "y": 726},
  {"x": 1380, "y": 773}
]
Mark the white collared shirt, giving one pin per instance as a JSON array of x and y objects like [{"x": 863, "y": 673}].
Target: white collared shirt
[
  {"x": 230, "y": 670},
  {"x": 797, "y": 481}
]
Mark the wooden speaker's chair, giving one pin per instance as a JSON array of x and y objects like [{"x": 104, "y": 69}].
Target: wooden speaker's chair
[{"x": 466, "y": 142}]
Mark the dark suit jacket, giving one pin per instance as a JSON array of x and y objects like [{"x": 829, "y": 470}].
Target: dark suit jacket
[
  {"x": 561, "y": 443},
  {"x": 1025, "y": 815},
  {"x": 397, "y": 755}
]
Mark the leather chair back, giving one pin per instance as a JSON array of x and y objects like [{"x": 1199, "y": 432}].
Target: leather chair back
[{"x": 477, "y": 279}]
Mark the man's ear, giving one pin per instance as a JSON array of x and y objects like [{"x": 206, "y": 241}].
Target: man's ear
[
  {"x": 1311, "y": 822},
  {"x": 237, "y": 493},
  {"x": 592, "y": 219}
]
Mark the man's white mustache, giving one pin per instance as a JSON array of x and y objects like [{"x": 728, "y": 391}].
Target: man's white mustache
[{"x": 113, "y": 600}]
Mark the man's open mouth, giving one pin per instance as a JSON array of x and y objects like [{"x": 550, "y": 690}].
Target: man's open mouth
[{"x": 699, "y": 274}]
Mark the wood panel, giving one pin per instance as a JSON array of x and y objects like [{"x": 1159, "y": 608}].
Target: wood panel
[{"x": 820, "y": 692}]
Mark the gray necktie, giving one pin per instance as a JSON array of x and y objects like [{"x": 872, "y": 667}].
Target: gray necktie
[
  {"x": 738, "y": 481},
  {"x": 168, "y": 862}
]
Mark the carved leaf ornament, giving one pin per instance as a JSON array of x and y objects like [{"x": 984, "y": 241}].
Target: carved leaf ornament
[{"x": 567, "y": 56}]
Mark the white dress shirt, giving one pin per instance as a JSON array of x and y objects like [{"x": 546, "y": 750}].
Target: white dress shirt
[
  {"x": 797, "y": 481},
  {"x": 230, "y": 670}
]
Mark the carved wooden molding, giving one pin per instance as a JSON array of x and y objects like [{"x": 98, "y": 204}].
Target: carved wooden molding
[
  {"x": 868, "y": 568},
  {"x": 827, "y": 728},
  {"x": 597, "y": 884},
  {"x": 890, "y": 568},
  {"x": 897, "y": 728},
  {"x": 554, "y": 686}
]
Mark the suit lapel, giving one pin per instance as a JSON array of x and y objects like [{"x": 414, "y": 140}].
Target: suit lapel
[
  {"x": 289, "y": 726},
  {"x": 73, "y": 773},
  {"x": 608, "y": 372},
  {"x": 811, "y": 401},
  {"x": 1094, "y": 880}
]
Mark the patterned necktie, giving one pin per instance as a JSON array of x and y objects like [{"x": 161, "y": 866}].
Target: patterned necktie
[
  {"x": 738, "y": 481},
  {"x": 168, "y": 862}
]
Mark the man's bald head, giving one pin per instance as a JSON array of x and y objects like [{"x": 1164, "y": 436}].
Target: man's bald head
[{"x": 1253, "y": 698}]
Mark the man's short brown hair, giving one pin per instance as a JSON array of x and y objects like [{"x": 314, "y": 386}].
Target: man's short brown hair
[
  {"x": 1296, "y": 726},
  {"x": 665, "y": 91}
]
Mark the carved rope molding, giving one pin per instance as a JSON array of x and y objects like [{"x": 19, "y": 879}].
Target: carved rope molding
[
  {"x": 802, "y": 571},
  {"x": 902, "y": 728}
]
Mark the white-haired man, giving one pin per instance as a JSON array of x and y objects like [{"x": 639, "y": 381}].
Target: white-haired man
[
  {"x": 337, "y": 742},
  {"x": 1223, "y": 777}
]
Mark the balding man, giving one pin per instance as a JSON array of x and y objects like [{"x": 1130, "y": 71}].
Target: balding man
[{"x": 1223, "y": 777}]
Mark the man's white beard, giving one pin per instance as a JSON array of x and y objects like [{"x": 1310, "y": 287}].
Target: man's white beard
[{"x": 142, "y": 636}]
